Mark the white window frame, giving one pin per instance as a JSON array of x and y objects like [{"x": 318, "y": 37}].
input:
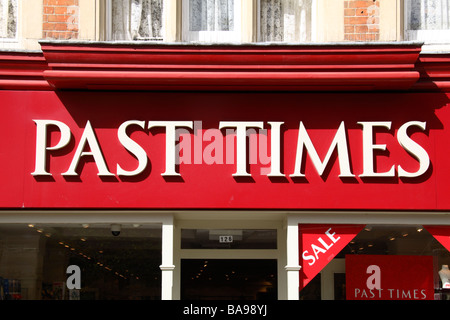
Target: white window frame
[
  {"x": 108, "y": 19},
  {"x": 212, "y": 36},
  {"x": 429, "y": 37}
]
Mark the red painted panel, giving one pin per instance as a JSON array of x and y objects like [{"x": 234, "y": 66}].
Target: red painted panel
[{"x": 212, "y": 185}]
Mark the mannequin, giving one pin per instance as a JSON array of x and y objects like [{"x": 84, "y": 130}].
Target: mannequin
[{"x": 444, "y": 273}]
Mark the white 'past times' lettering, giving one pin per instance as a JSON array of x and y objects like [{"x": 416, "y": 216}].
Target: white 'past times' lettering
[{"x": 247, "y": 139}]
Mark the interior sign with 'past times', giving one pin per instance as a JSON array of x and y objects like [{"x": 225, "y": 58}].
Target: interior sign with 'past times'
[{"x": 389, "y": 277}]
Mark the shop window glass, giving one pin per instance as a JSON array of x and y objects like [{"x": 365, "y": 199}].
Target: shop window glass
[
  {"x": 211, "y": 20},
  {"x": 8, "y": 19},
  {"x": 428, "y": 21},
  {"x": 285, "y": 21},
  {"x": 383, "y": 241},
  {"x": 228, "y": 239},
  {"x": 136, "y": 19},
  {"x": 34, "y": 261}
]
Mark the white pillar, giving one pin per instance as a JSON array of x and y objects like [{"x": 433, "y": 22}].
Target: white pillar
[
  {"x": 167, "y": 265},
  {"x": 292, "y": 268}
]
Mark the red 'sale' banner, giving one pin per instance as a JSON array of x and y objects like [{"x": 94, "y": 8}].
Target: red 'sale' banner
[
  {"x": 319, "y": 244},
  {"x": 441, "y": 234},
  {"x": 389, "y": 277}
]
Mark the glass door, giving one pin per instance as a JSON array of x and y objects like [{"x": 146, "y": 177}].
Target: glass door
[
  {"x": 229, "y": 279},
  {"x": 229, "y": 264}
]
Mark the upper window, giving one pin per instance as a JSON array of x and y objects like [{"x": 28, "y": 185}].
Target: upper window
[
  {"x": 135, "y": 19},
  {"x": 8, "y": 19},
  {"x": 428, "y": 21},
  {"x": 212, "y": 20},
  {"x": 285, "y": 20}
]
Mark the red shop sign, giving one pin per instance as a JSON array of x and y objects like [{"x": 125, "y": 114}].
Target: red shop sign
[
  {"x": 389, "y": 277},
  {"x": 182, "y": 151},
  {"x": 319, "y": 244}
]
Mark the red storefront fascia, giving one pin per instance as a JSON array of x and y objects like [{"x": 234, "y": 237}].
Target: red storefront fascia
[
  {"x": 252, "y": 127},
  {"x": 331, "y": 127}
]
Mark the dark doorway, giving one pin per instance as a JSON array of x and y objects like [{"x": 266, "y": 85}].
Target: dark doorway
[{"x": 220, "y": 279}]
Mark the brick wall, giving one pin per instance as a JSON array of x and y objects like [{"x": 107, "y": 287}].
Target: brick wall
[
  {"x": 60, "y": 19},
  {"x": 362, "y": 20}
]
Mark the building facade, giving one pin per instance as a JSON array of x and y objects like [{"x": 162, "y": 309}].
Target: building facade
[{"x": 251, "y": 150}]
